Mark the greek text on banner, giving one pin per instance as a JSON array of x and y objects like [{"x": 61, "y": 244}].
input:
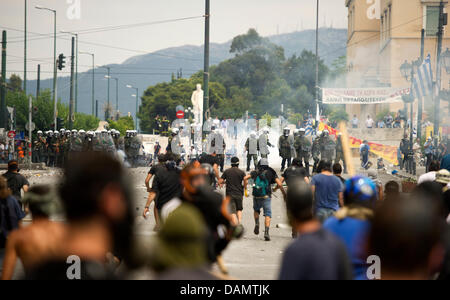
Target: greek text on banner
[{"x": 363, "y": 95}]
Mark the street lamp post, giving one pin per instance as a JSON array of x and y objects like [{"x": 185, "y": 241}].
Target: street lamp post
[
  {"x": 109, "y": 77},
  {"x": 408, "y": 71},
  {"x": 93, "y": 80},
  {"x": 76, "y": 67},
  {"x": 117, "y": 91},
  {"x": 137, "y": 103},
  {"x": 55, "y": 112}
]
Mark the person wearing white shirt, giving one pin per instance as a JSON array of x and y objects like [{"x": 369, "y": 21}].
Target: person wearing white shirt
[{"x": 369, "y": 122}]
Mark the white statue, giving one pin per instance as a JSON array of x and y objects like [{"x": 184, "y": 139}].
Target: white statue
[{"x": 197, "y": 102}]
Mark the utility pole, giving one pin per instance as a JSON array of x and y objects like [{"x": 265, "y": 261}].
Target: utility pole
[
  {"x": 93, "y": 80},
  {"x": 72, "y": 78},
  {"x": 317, "y": 59},
  {"x": 25, "y": 52},
  {"x": 3, "y": 84},
  {"x": 437, "y": 104},
  {"x": 55, "y": 72},
  {"x": 38, "y": 87},
  {"x": 30, "y": 131},
  {"x": 96, "y": 108},
  {"x": 206, "y": 62},
  {"x": 420, "y": 104}
]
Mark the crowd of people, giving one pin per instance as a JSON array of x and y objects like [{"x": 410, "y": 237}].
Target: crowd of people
[{"x": 198, "y": 205}]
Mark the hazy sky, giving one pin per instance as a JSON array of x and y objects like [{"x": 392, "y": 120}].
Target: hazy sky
[{"x": 228, "y": 19}]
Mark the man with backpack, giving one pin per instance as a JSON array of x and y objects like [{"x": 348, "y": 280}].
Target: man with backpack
[{"x": 263, "y": 178}]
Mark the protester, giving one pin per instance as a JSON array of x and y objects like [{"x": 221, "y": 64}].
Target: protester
[
  {"x": 445, "y": 163},
  {"x": 152, "y": 193},
  {"x": 429, "y": 150},
  {"x": 328, "y": 192},
  {"x": 11, "y": 216},
  {"x": 337, "y": 171},
  {"x": 181, "y": 253},
  {"x": 236, "y": 182},
  {"x": 16, "y": 182},
  {"x": 263, "y": 178},
  {"x": 166, "y": 185},
  {"x": 391, "y": 191},
  {"x": 40, "y": 240},
  {"x": 294, "y": 172},
  {"x": 316, "y": 254},
  {"x": 97, "y": 201},
  {"x": 352, "y": 222},
  {"x": 406, "y": 235}
]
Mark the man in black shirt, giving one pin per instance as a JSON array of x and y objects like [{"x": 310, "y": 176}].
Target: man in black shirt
[
  {"x": 295, "y": 171},
  {"x": 16, "y": 182},
  {"x": 317, "y": 254},
  {"x": 166, "y": 185},
  {"x": 214, "y": 161},
  {"x": 263, "y": 179},
  {"x": 236, "y": 181}
]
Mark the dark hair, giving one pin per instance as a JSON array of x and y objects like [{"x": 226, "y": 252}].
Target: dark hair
[
  {"x": 324, "y": 165},
  {"x": 433, "y": 192},
  {"x": 434, "y": 166},
  {"x": 297, "y": 162},
  {"x": 337, "y": 168},
  {"x": 85, "y": 177},
  {"x": 36, "y": 208},
  {"x": 299, "y": 202},
  {"x": 13, "y": 165},
  {"x": 391, "y": 189},
  {"x": 404, "y": 232}
]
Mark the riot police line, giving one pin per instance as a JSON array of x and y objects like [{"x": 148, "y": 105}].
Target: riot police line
[
  {"x": 55, "y": 148},
  {"x": 321, "y": 146}
]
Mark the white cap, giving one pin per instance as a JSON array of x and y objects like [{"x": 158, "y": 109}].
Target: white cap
[{"x": 302, "y": 130}]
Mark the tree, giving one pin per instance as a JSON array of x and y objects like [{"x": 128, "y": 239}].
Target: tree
[
  {"x": 15, "y": 83},
  {"x": 301, "y": 70},
  {"x": 122, "y": 125}
]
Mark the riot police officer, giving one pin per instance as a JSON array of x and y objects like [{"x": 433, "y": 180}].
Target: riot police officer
[
  {"x": 303, "y": 148},
  {"x": 285, "y": 144},
  {"x": 328, "y": 146},
  {"x": 251, "y": 147},
  {"x": 264, "y": 143},
  {"x": 315, "y": 150}
]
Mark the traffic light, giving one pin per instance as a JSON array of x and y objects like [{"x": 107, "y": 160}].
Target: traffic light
[
  {"x": 59, "y": 123},
  {"x": 61, "y": 62}
]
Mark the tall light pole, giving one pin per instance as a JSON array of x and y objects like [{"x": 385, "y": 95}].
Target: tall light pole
[
  {"x": 317, "y": 60},
  {"x": 55, "y": 112},
  {"x": 109, "y": 77},
  {"x": 117, "y": 91},
  {"x": 76, "y": 67},
  {"x": 93, "y": 80},
  {"x": 206, "y": 61},
  {"x": 137, "y": 103},
  {"x": 25, "y": 50}
]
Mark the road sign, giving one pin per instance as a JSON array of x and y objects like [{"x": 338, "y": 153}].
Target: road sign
[
  {"x": 33, "y": 126},
  {"x": 12, "y": 134},
  {"x": 180, "y": 114}
]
